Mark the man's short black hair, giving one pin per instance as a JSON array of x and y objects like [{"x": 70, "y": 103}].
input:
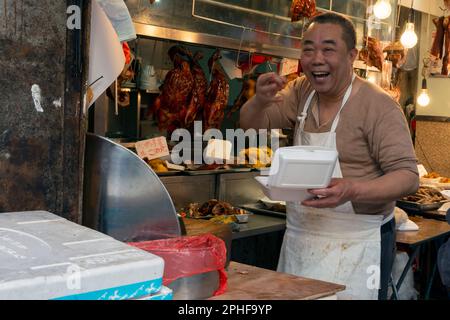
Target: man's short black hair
[{"x": 348, "y": 30}]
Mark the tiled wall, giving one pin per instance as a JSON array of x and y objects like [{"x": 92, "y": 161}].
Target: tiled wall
[{"x": 433, "y": 146}]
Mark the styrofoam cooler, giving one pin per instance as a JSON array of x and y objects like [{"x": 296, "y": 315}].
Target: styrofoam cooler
[
  {"x": 164, "y": 294},
  {"x": 44, "y": 256}
]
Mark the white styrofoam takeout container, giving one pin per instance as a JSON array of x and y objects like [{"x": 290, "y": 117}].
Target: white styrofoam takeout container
[
  {"x": 296, "y": 169},
  {"x": 284, "y": 194}
]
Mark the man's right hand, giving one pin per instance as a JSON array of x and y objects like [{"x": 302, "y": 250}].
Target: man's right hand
[{"x": 267, "y": 87}]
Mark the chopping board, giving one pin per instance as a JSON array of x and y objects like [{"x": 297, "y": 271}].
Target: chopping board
[
  {"x": 252, "y": 283},
  {"x": 196, "y": 227}
]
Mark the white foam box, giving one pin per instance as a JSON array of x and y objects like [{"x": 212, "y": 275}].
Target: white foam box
[
  {"x": 164, "y": 294},
  {"x": 43, "y": 256},
  {"x": 294, "y": 170},
  {"x": 218, "y": 150}
]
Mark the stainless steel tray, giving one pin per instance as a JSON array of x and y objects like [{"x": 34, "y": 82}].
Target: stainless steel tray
[
  {"x": 419, "y": 207},
  {"x": 216, "y": 171},
  {"x": 169, "y": 173},
  {"x": 261, "y": 209}
]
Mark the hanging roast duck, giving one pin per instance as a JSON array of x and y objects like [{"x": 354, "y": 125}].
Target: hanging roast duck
[
  {"x": 217, "y": 94},
  {"x": 302, "y": 8},
  {"x": 441, "y": 43},
  {"x": 197, "y": 100},
  {"x": 170, "y": 108}
]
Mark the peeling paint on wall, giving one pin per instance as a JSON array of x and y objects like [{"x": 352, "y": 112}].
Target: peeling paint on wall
[
  {"x": 37, "y": 98},
  {"x": 12, "y": 22},
  {"x": 58, "y": 103},
  {"x": 5, "y": 155}
]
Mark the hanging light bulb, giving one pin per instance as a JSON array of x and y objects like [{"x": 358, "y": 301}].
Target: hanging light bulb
[
  {"x": 409, "y": 37},
  {"x": 382, "y": 9},
  {"x": 424, "y": 99}
]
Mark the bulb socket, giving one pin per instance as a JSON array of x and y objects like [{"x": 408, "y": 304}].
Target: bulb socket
[{"x": 424, "y": 83}]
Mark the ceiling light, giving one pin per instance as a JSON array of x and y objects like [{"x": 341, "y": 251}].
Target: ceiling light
[
  {"x": 409, "y": 37},
  {"x": 424, "y": 99},
  {"x": 382, "y": 9}
]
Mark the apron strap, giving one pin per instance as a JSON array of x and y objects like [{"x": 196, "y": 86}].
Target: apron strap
[
  {"x": 302, "y": 118},
  {"x": 344, "y": 101}
]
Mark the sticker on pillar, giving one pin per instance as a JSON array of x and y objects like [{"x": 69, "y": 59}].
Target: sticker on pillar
[
  {"x": 152, "y": 148},
  {"x": 37, "y": 98}
]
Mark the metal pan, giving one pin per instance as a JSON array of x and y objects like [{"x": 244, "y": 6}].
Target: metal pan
[
  {"x": 419, "y": 207},
  {"x": 216, "y": 171},
  {"x": 168, "y": 173},
  {"x": 261, "y": 209}
]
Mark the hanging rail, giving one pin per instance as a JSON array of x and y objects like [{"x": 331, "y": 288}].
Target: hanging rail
[
  {"x": 259, "y": 12},
  {"x": 239, "y": 8}
]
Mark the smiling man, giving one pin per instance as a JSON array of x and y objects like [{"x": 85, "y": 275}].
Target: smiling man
[{"x": 347, "y": 233}]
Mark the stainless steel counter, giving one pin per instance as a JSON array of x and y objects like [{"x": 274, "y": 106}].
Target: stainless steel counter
[
  {"x": 235, "y": 188},
  {"x": 259, "y": 224}
]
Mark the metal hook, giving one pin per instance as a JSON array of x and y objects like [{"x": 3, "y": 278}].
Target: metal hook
[{"x": 240, "y": 46}]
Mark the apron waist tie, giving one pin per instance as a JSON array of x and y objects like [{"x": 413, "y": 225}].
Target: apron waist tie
[{"x": 388, "y": 218}]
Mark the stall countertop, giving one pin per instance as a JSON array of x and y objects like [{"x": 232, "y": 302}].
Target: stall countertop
[
  {"x": 252, "y": 283},
  {"x": 259, "y": 224},
  {"x": 429, "y": 229}
]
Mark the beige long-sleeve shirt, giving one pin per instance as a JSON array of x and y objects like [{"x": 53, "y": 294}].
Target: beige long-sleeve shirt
[{"x": 372, "y": 135}]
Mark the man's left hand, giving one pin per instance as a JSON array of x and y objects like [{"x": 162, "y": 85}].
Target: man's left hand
[{"x": 338, "y": 192}]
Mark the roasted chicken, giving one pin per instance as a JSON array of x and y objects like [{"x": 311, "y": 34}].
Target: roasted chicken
[
  {"x": 302, "y": 8},
  {"x": 441, "y": 43},
  {"x": 256, "y": 157},
  {"x": 396, "y": 54},
  {"x": 170, "y": 108},
  {"x": 200, "y": 86},
  {"x": 211, "y": 208},
  {"x": 438, "y": 43},
  {"x": 248, "y": 91},
  {"x": 371, "y": 54},
  {"x": 217, "y": 94}
]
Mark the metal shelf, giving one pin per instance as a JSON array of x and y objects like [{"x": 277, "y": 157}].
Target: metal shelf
[{"x": 151, "y": 31}]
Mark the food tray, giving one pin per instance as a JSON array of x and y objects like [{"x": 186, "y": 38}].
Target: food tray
[
  {"x": 419, "y": 207},
  {"x": 434, "y": 215},
  {"x": 168, "y": 173},
  {"x": 261, "y": 209},
  {"x": 216, "y": 171}
]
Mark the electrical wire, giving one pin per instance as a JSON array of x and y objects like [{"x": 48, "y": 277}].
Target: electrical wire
[{"x": 424, "y": 155}]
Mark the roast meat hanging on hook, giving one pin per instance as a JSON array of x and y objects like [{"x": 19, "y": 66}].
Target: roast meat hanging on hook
[
  {"x": 217, "y": 94},
  {"x": 170, "y": 108},
  {"x": 302, "y": 8}
]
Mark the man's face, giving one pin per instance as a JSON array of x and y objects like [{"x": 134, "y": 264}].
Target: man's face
[{"x": 325, "y": 58}]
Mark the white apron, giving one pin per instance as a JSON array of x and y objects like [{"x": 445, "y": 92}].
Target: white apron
[{"x": 334, "y": 245}]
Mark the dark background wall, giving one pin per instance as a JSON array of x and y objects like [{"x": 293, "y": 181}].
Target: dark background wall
[{"x": 41, "y": 152}]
